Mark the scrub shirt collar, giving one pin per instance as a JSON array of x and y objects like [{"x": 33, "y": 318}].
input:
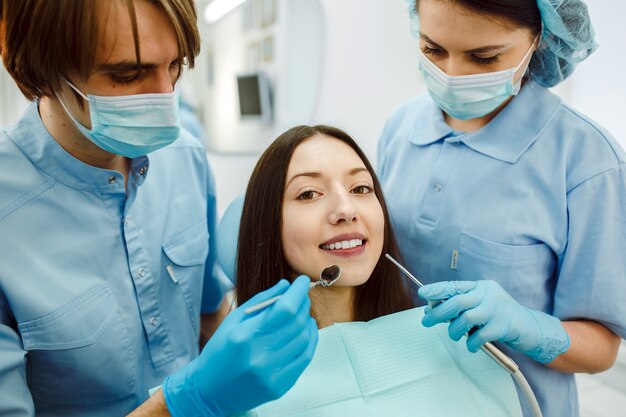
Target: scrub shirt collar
[
  {"x": 508, "y": 135},
  {"x": 32, "y": 137}
]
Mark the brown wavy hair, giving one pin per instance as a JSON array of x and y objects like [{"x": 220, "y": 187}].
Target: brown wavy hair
[
  {"x": 43, "y": 41},
  {"x": 260, "y": 259}
]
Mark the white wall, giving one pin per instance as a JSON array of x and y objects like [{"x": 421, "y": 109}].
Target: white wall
[
  {"x": 12, "y": 102},
  {"x": 598, "y": 87},
  {"x": 371, "y": 66}
]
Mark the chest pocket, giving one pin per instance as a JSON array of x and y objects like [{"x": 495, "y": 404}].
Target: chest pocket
[
  {"x": 80, "y": 353},
  {"x": 524, "y": 271},
  {"x": 185, "y": 258}
]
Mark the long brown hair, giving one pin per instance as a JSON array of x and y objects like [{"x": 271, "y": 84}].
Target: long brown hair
[{"x": 260, "y": 259}]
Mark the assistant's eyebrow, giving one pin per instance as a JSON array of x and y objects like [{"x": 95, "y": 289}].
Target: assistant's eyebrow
[
  {"x": 482, "y": 49},
  {"x": 352, "y": 172},
  {"x": 124, "y": 66}
]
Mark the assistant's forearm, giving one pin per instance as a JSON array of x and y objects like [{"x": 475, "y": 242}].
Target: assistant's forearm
[{"x": 593, "y": 348}]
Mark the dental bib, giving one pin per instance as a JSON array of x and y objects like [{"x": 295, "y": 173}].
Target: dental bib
[{"x": 394, "y": 367}]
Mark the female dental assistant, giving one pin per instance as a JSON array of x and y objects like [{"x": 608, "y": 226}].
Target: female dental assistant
[{"x": 506, "y": 201}]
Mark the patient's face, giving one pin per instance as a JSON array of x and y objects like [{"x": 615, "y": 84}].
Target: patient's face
[{"x": 330, "y": 212}]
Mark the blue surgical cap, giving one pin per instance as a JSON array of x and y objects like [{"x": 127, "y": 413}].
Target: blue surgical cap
[{"x": 567, "y": 39}]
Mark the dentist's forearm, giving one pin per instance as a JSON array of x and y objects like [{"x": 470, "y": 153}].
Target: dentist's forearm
[
  {"x": 593, "y": 348},
  {"x": 154, "y": 407}
]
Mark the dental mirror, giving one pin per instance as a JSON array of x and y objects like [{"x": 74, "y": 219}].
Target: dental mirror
[{"x": 328, "y": 276}]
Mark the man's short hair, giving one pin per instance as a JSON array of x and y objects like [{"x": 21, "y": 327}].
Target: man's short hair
[{"x": 43, "y": 41}]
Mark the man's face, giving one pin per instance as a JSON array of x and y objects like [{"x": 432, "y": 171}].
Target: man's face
[{"x": 115, "y": 70}]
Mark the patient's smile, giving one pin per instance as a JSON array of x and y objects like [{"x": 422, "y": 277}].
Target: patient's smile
[{"x": 344, "y": 244}]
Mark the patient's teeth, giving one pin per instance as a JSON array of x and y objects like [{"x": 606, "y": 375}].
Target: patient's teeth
[{"x": 344, "y": 244}]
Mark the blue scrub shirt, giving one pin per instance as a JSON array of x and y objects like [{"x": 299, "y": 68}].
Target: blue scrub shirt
[
  {"x": 101, "y": 287},
  {"x": 535, "y": 200}
]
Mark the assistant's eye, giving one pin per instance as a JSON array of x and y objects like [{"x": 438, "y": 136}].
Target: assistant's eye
[
  {"x": 426, "y": 50},
  {"x": 362, "y": 189},
  {"x": 485, "y": 61},
  {"x": 307, "y": 195}
]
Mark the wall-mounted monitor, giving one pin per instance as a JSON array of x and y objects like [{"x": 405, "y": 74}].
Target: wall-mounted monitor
[{"x": 255, "y": 98}]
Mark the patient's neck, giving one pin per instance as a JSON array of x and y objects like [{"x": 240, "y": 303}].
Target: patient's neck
[{"x": 332, "y": 305}]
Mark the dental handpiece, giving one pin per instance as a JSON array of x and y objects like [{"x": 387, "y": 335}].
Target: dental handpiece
[
  {"x": 489, "y": 348},
  {"x": 493, "y": 352}
]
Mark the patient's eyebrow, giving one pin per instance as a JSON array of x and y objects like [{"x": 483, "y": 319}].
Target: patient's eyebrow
[
  {"x": 355, "y": 171},
  {"x": 316, "y": 174},
  {"x": 304, "y": 174}
]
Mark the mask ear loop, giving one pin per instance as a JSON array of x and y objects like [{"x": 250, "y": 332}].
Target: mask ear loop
[
  {"x": 67, "y": 111},
  {"x": 531, "y": 51},
  {"x": 77, "y": 90}
]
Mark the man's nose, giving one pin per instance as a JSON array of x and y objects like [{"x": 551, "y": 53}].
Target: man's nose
[{"x": 162, "y": 82}]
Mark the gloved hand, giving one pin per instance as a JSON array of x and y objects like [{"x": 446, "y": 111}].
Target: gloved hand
[
  {"x": 251, "y": 359},
  {"x": 484, "y": 305}
]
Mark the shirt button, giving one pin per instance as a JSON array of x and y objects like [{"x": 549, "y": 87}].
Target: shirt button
[
  {"x": 154, "y": 321},
  {"x": 142, "y": 170},
  {"x": 437, "y": 188},
  {"x": 112, "y": 179},
  {"x": 141, "y": 272}
]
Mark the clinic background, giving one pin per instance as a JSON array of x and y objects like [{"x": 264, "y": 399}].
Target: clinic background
[{"x": 349, "y": 63}]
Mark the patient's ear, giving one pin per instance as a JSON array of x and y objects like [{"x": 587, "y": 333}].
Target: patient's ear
[{"x": 226, "y": 236}]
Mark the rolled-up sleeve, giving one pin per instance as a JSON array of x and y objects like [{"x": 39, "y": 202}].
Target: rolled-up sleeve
[{"x": 592, "y": 274}]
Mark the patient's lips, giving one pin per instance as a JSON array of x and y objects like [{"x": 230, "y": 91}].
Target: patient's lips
[{"x": 345, "y": 245}]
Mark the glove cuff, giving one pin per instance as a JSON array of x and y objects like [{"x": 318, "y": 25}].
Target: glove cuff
[
  {"x": 554, "y": 339},
  {"x": 182, "y": 398}
]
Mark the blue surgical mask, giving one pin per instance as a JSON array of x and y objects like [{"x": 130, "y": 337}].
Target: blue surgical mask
[
  {"x": 467, "y": 97},
  {"x": 132, "y": 125}
]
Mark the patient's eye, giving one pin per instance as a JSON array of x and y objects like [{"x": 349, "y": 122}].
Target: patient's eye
[
  {"x": 362, "y": 189},
  {"x": 307, "y": 195}
]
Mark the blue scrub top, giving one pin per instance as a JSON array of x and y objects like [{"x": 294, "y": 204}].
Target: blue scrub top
[
  {"x": 101, "y": 287},
  {"x": 534, "y": 200}
]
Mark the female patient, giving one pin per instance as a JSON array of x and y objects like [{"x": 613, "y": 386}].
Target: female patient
[{"x": 313, "y": 200}]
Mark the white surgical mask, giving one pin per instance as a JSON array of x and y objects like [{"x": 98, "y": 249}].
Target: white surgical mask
[
  {"x": 468, "y": 97},
  {"x": 132, "y": 125}
]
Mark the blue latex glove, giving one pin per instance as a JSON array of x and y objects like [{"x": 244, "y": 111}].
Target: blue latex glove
[
  {"x": 484, "y": 305},
  {"x": 251, "y": 359}
]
